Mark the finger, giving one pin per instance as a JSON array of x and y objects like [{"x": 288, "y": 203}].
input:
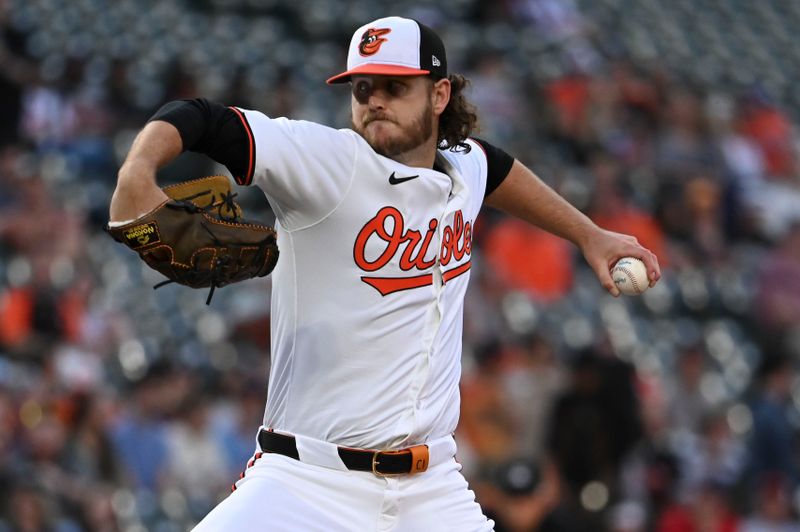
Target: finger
[
  {"x": 656, "y": 274},
  {"x": 651, "y": 264},
  {"x": 604, "y": 275}
]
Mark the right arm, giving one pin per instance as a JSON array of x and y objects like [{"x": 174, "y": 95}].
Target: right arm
[
  {"x": 196, "y": 125},
  {"x": 303, "y": 167},
  {"x": 527, "y": 197},
  {"x": 137, "y": 192}
]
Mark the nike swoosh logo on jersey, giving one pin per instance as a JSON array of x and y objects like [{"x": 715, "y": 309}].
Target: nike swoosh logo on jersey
[{"x": 397, "y": 180}]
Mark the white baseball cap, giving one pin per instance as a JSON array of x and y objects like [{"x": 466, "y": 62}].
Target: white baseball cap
[{"x": 394, "y": 46}]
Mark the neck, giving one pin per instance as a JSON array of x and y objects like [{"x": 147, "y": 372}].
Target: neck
[{"x": 422, "y": 156}]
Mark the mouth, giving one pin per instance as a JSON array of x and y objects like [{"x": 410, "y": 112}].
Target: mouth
[{"x": 370, "y": 120}]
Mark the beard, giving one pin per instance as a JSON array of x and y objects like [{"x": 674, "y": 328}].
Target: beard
[{"x": 412, "y": 135}]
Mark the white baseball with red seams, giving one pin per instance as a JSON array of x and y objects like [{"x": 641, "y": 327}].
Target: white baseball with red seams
[{"x": 630, "y": 276}]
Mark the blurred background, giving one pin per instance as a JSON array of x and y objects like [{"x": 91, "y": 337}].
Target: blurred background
[{"x": 128, "y": 409}]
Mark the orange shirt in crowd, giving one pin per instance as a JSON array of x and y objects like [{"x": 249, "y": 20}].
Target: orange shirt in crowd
[
  {"x": 772, "y": 131},
  {"x": 17, "y": 306},
  {"x": 530, "y": 259}
]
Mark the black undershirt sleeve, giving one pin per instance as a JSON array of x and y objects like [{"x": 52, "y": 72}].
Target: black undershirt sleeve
[
  {"x": 498, "y": 165},
  {"x": 214, "y": 130}
]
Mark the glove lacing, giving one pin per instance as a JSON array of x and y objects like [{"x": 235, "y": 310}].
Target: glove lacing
[{"x": 214, "y": 275}]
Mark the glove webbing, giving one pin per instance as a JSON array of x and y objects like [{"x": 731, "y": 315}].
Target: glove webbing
[{"x": 225, "y": 201}]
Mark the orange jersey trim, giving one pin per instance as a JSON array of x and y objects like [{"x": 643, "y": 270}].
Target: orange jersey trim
[
  {"x": 248, "y": 177},
  {"x": 389, "y": 285},
  {"x": 455, "y": 272}
]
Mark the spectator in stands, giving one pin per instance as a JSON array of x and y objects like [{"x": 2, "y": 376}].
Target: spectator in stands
[
  {"x": 743, "y": 166},
  {"x": 708, "y": 510},
  {"x": 773, "y": 510},
  {"x": 520, "y": 495},
  {"x": 771, "y": 129},
  {"x": 628, "y": 516},
  {"x": 139, "y": 434},
  {"x": 714, "y": 454},
  {"x": 529, "y": 259},
  {"x": 773, "y": 442},
  {"x": 89, "y": 453},
  {"x": 16, "y": 72},
  {"x": 27, "y": 510},
  {"x": 595, "y": 424},
  {"x": 686, "y": 404},
  {"x": 487, "y": 425},
  {"x": 195, "y": 463},
  {"x": 778, "y": 288},
  {"x": 239, "y": 407},
  {"x": 532, "y": 377},
  {"x": 502, "y": 107}
]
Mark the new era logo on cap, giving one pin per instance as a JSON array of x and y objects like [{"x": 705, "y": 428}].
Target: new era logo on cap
[{"x": 394, "y": 46}]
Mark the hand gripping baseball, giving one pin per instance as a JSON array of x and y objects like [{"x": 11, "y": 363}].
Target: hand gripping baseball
[
  {"x": 198, "y": 238},
  {"x": 604, "y": 248}
]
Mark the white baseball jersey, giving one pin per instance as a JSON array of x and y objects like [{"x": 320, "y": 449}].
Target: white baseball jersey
[{"x": 368, "y": 292}]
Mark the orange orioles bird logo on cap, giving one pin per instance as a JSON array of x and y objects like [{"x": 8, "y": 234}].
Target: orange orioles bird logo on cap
[{"x": 372, "y": 40}]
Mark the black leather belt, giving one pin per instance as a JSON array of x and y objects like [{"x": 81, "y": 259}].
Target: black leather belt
[{"x": 402, "y": 462}]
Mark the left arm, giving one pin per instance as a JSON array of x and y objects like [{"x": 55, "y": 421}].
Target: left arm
[{"x": 525, "y": 196}]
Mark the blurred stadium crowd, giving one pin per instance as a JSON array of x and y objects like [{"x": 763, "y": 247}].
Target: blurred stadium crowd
[{"x": 124, "y": 408}]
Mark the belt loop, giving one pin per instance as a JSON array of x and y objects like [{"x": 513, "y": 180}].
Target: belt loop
[{"x": 319, "y": 452}]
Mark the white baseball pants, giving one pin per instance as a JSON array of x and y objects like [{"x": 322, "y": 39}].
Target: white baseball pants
[{"x": 281, "y": 494}]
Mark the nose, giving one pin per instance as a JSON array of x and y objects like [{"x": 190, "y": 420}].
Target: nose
[{"x": 376, "y": 100}]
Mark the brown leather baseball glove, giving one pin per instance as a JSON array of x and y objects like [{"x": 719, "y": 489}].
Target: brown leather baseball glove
[{"x": 198, "y": 238}]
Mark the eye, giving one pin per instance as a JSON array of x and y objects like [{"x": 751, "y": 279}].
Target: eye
[
  {"x": 361, "y": 90},
  {"x": 397, "y": 88}
]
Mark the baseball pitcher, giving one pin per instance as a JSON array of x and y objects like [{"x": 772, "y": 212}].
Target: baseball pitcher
[{"x": 374, "y": 226}]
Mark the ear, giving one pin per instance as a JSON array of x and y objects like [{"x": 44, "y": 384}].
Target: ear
[{"x": 440, "y": 96}]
